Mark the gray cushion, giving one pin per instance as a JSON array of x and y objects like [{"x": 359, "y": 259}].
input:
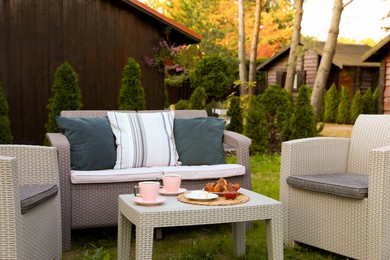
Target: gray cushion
[
  {"x": 92, "y": 142},
  {"x": 346, "y": 185},
  {"x": 199, "y": 141},
  {"x": 33, "y": 195}
]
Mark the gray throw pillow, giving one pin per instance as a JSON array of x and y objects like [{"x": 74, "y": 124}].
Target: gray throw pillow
[
  {"x": 92, "y": 143},
  {"x": 199, "y": 141}
]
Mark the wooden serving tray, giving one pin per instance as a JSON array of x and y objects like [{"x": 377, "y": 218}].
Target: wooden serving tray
[{"x": 220, "y": 201}]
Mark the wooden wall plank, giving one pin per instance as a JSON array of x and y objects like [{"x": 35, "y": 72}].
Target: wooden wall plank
[
  {"x": 28, "y": 67},
  {"x": 112, "y": 55},
  {"x": 4, "y": 19},
  {"x": 14, "y": 86},
  {"x": 102, "y": 67},
  {"x": 41, "y": 64},
  {"x": 91, "y": 60}
]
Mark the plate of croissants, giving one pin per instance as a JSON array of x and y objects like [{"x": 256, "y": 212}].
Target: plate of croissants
[{"x": 220, "y": 186}]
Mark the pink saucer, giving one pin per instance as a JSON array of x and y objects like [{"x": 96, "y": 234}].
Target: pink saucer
[
  {"x": 140, "y": 201},
  {"x": 162, "y": 191}
]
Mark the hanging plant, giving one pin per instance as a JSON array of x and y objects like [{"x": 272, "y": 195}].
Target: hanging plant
[{"x": 164, "y": 54}]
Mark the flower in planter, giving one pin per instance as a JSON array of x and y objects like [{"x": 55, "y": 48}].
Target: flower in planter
[{"x": 164, "y": 54}]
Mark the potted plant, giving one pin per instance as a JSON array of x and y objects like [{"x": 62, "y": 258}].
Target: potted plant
[{"x": 164, "y": 54}]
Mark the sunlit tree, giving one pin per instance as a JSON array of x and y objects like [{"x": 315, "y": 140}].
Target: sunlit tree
[
  {"x": 327, "y": 57},
  {"x": 292, "y": 58}
]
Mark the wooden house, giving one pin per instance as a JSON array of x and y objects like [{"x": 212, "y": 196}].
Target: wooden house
[
  {"x": 381, "y": 53},
  {"x": 96, "y": 37},
  {"x": 347, "y": 67}
]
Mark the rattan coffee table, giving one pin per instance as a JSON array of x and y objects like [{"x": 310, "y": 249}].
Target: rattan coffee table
[{"x": 174, "y": 213}]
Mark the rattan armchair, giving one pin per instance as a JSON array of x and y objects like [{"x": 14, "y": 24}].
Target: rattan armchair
[
  {"x": 35, "y": 234},
  {"x": 357, "y": 228}
]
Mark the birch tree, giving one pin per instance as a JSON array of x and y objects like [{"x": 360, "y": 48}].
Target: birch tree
[
  {"x": 241, "y": 47},
  {"x": 327, "y": 56},
  {"x": 292, "y": 58},
  {"x": 253, "y": 53}
]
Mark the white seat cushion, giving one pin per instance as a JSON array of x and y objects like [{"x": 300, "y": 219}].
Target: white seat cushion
[
  {"x": 117, "y": 175},
  {"x": 198, "y": 172}
]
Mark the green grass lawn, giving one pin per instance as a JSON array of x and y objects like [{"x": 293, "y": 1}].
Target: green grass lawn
[{"x": 202, "y": 242}]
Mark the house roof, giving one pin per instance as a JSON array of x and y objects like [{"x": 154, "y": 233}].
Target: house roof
[
  {"x": 186, "y": 35},
  {"x": 345, "y": 55},
  {"x": 378, "y": 51}
]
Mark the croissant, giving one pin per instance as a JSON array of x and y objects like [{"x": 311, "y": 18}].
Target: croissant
[
  {"x": 210, "y": 186},
  {"x": 233, "y": 186},
  {"x": 221, "y": 185}
]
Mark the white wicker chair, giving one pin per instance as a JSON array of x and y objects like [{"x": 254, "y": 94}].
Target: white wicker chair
[
  {"x": 357, "y": 228},
  {"x": 35, "y": 234}
]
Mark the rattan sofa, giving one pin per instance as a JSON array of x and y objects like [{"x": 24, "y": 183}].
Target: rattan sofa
[
  {"x": 33, "y": 233},
  {"x": 95, "y": 205},
  {"x": 353, "y": 226}
]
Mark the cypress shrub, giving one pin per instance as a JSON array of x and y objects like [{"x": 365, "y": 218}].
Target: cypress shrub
[
  {"x": 356, "y": 107},
  {"x": 182, "y": 104},
  {"x": 5, "y": 125},
  {"x": 131, "y": 94},
  {"x": 214, "y": 75},
  {"x": 256, "y": 127},
  {"x": 278, "y": 110},
  {"x": 284, "y": 116},
  {"x": 234, "y": 112},
  {"x": 66, "y": 95},
  {"x": 343, "y": 108},
  {"x": 367, "y": 102},
  {"x": 198, "y": 98},
  {"x": 304, "y": 119},
  {"x": 331, "y": 104},
  {"x": 375, "y": 97}
]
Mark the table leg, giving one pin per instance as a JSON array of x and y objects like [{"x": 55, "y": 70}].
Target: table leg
[
  {"x": 274, "y": 231},
  {"x": 124, "y": 237},
  {"x": 144, "y": 243},
  {"x": 239, "y": 229}
]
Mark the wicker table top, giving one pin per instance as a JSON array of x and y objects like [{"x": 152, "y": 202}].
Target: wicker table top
[{"x": 175, "y": 213}]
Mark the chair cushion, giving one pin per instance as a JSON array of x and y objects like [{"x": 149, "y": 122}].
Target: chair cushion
[
  {"x": 199, "y": 141},
  {"x": 346, "y": 185},
  {"x": 88, "y": 137},
  {"x": 33, "y": 195},
  {"x": 143, "y": 139}
]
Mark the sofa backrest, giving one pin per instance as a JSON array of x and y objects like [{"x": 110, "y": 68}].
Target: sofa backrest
[
  {"x": 97, "y": 113},
  {"x": 369, "y": 132}
]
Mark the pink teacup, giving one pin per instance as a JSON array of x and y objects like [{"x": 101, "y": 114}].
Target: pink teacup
[
  {"x": 148, "y": 190},
  {"x": 171, "y": 182}
]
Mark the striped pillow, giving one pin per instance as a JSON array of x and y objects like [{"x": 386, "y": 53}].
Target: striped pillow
[{"x": 143, "y": 139}]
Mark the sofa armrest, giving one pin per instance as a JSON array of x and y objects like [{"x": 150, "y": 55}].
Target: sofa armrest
[
  {"x": 59, "y": 141},
  {"x": 241, "y": 144}
]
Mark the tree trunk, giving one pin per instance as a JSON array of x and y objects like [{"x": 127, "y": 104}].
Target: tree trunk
[
  {"x": 241, "y": 47},
  {"x": 292, "y": 58},
  {"x": 253, "y": 53},
  {"x": 327, "y": 57}
]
